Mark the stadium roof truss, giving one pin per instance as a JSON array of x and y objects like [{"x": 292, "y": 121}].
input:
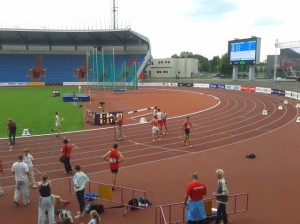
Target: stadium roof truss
[{"x": 95, "y": 38}]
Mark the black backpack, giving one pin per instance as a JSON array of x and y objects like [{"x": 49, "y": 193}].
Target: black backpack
[
  {"x": 134, "y": 203},
  {"x": 91, "y": 206}
]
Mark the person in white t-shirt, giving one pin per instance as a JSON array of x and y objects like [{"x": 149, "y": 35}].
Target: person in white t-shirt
[
  {"x": 159, "y": 120},
  {"x": 57, "y": 124},
  {"x": 21, "y": 171},
  {"x": 28, "y": 159}
]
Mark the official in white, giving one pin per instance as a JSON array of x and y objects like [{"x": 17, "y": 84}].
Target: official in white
[
  {"x": 28, "y": 159},
  {"x": 21, "y": 171},
  {"x": 80, "y": 180}
]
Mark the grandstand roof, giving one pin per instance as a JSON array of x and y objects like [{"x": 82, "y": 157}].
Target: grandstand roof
[{"x": 71, "y": 37}]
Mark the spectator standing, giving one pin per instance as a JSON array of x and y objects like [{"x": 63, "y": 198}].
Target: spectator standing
[
  {"x": 195, "y": 213},
  {"x": 66, "y": 151},
  {"x": 11, "y": 131},
  {"x": 21, "y": 171},
  {"x": 95, "y": 218},
  {"x": 28, "y": 159},
  {"x": 80, "y": 180},
  {"x": 221, "y": 197},
  {"x": 46, "y": 201},
  {"x": 114, "y": 157},
  {"x": 187, "y": 125}
]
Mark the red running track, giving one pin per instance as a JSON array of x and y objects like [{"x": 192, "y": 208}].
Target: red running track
[{"x": 221, "y": 137}]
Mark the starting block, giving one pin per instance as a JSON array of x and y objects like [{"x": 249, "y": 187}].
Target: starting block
[
  {"x": 265, "y": 112},
  {"x": 26, "y": 132},
  {"x": 280, "y": 107},
  {"x": 286, "y": 102},
  {"x": 298, "y": 105},
  {"x": 298, "y": 120}
]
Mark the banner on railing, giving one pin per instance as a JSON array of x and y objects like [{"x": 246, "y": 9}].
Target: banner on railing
[{"x": 263, "y": 90}]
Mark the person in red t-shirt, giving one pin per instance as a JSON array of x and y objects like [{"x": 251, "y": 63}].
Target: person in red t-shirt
[
  {"x": 66, "y": 151},
  {"x": 11, "y": 130},
  {"x": 187, "y": 125},
  {"x": 194, "y": 201},
  {"x": 118, "y": 127},
  {"x": 114, "y": 157}
]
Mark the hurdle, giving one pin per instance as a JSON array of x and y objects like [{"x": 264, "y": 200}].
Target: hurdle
[
  {"x": 138, "y": 116},
  {"x": 140, "y": 110}
]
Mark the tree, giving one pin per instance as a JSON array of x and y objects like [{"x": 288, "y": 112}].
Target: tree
[{"x": 224, "y": 66}]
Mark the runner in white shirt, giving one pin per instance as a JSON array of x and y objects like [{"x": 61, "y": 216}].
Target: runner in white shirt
[
  {"x": 159, "y": 120},
  {"x": 21, "y": 171},
  {"x": 57, "y": 124}
]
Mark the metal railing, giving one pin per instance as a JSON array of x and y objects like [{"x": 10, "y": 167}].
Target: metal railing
[
  {"x": 121, "y": 196},
  {"x": 175, "y": 213}
]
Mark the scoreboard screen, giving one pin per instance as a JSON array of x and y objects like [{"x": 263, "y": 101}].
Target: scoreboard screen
[
  {"x": 244, "y": 51},
  {"x": 102, "y": 118}
]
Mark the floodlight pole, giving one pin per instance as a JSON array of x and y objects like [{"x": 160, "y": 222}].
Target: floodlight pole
[
  {"x": 125, "y": 73},
  {"x": 275, "y": 60},
  {"x": 103, "y": 70}
]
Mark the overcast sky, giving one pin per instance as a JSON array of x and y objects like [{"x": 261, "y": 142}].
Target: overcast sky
[{"x": 199, "y": 26}]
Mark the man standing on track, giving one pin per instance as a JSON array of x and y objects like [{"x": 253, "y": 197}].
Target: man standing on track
[
  {"x": 221, "y": 196},
  {"x": 118, "y": 127},
  {"x": 80, "y": 180},
  {"x": 155, "y": 130},
  {"x": 28, "y": 159},
  {"x": 11, "y": 130},
  {"x": 114, "y": 157},
  {"x": 66, "y": 151},
  {"x": 187, "y": 125},
  {"x": 193, "y": 201},
  {"x": 21, "y": 171}
]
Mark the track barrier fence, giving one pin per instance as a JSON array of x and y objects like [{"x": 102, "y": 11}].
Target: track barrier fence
[
  {"x": 175, "y": 213},
  {"x": 96, "y": 191}
]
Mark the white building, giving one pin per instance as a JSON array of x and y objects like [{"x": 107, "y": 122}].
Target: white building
[{"x": 172, "y": 68}]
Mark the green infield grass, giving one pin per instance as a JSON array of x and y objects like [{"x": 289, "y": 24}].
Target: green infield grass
[{"x": 34, "y": 108}]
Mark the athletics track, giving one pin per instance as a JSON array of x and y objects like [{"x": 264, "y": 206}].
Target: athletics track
[{"x": 227, "y": 128}]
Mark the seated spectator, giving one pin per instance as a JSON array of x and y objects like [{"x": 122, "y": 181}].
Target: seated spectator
[{"x": 95, "y": 218}]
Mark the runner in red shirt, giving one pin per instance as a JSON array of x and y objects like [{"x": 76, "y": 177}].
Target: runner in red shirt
[
  {"x": 187, "y": 125},
  {"x": 114, "y": 157}
]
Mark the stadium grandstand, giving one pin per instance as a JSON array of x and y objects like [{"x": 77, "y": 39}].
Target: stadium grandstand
[{"x": 98, "y": 58}]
